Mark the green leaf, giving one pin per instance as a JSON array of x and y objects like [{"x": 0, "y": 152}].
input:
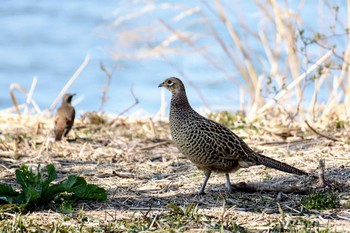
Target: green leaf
[
  {"x": 38, "y": 191},
  {"x": 89, "y": 192},
  {"x": 65, "y": 186},
  {"x": 70, "y": 182},
  {"x": 21, "y": 177},
  {"x": 27, "y": 178},
  {"x": 52, "y": 174},
  {"x": 80, "y": 181},
  {"x": 31, "y": 195},
  {"x": 7, "y": 190},
  {"x": 46, "y": 188},
  {"x": 7, "y": 194}
]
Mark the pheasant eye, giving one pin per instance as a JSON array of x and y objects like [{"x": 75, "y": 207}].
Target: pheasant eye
[{"x": 170, "y": 83}]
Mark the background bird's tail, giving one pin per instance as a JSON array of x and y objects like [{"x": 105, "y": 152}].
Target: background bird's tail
[{"x": 269, "y": 162}]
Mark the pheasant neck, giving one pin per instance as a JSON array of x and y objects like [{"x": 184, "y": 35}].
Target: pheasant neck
[{"x": 179, "y": 100}]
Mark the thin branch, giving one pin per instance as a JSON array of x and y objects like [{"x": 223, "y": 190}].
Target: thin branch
[
  {"x": 258, "y": 187},
  {"x": 109, "y": 75},
  {"x": 155, "y": 145},
  {"x": 202, "y": 51},
  {"x": 114, "y": 122},
  {"x": 318, "y": 133},
  {"x": 296, "y": 81}
]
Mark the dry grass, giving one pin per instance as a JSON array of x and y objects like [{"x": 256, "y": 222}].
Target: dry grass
[
  {"x": 143, "y": 173},
  {"x": 269, "y": 52}
]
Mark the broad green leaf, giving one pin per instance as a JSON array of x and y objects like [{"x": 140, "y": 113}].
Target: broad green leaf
[
  {"x": 47, "y": 191},
  {"x": 21, "y": 177},
  {"x": 37, "y": 191},
  {"x": 36, "y": 177},
  {"x": 7, "y": 194},
  {"x": 80, "y": 181},
  {"x": 6, "y": 190},
  {"x": 90, "y": 192},
  {"x": 64, "y": 186},
  {"x": 52, "y": 175},
  {"x": 70, "y": 182},
  {"x": 27, "y": 178},
  {"x": 32, "y": 195}
]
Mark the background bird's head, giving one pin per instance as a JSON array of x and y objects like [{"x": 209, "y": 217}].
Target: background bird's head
[
  {"x": 67, "y": 98},
  {"x": 174, "y": 85}
]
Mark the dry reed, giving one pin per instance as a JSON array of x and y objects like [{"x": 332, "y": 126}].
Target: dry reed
[{"x": 276, "y": 76}]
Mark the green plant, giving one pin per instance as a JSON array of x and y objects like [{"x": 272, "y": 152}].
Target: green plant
[
  {"x": 38, "y": 191},
  {"x": 190, "y": 211},
  {"x": 320, "y": 201}
]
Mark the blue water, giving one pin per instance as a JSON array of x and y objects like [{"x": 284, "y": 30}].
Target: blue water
[{"x": 50, "y": 39}]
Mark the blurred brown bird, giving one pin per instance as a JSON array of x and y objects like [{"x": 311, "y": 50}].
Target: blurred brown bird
[
  {"x": 208, "y": 144},
  {"x": 64, "y": 119}
]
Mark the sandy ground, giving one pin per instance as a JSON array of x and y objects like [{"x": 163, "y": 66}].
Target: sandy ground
[{"x": 144, "y": 172}]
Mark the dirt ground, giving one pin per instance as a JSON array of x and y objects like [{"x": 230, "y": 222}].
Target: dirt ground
[{"x": 144, "y": 172}]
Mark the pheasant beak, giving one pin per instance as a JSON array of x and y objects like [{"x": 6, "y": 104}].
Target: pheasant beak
[{"x": 161, "y": 85}]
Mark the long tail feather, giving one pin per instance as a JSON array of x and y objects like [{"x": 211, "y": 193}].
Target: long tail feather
[{"x": 269, "y": 162}]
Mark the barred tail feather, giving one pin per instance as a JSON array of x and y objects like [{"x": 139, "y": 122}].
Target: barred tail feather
[{"x": 269, "y": 162}]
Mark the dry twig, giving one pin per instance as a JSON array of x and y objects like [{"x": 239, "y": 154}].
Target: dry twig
[
  {"x": 258, "y": 187},
  {"x": 155, "y": 145},
  {"x": 321, "y": 173},
  {"x": 109, "y": 75},
  {"x": 114, "y": 122},
  {"x": 14, "y": 86},
  {"x": 320, "y": 134}
]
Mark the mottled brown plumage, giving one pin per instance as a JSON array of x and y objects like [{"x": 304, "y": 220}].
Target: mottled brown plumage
[
  {"x": 64, "y": 119},
  {"x": 209, "y": 145}
]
